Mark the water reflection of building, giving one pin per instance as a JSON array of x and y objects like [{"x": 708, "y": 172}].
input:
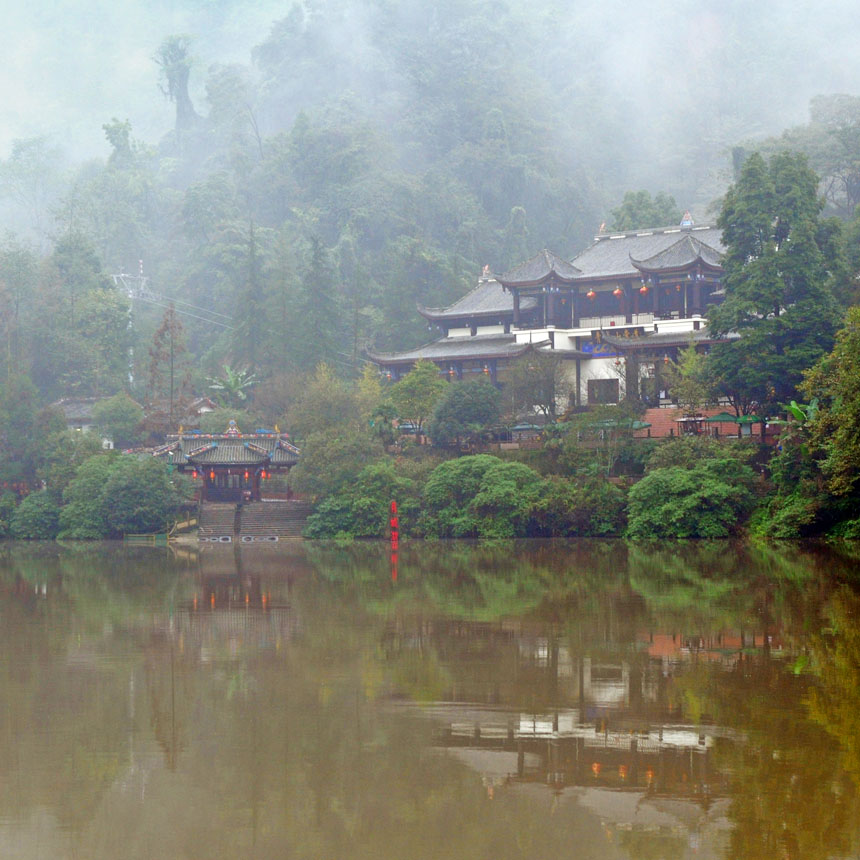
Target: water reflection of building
[
  {"x": 527, "y": 704},
  {"x": 240, "y": 603}
]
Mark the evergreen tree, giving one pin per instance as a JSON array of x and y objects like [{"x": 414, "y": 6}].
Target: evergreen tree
[
  {"x": 169, "y": 377},
  {"x": 316, "y": 325},
  {"x": 250, "y": 317},
  {"x": 778, "y": 301}
]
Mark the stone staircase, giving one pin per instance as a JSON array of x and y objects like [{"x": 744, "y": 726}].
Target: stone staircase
[
  {"x": 274, "y": 520},
  {"x": 253, "y": 522},
  {"x": 217, "y": 522}
]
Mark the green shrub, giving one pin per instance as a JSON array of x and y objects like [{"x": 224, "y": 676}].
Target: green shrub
[
  {"x": 710, "y": 500},
  {"x": 689, "y": 451},
  {"x": 500, "y": 508},
  {"x": 450, "y": 488},
  {"x": 792, "y": 516},
  {"x": 362, "y": 509},
  {"x": 582, "y": 508},
  {"x": 118, "y": 495},
  {"x": 8, "y": 502},
  {"x": 36, "y": 518},
  {"x": 83, "y": 514},
  {"x": 138, "y": 497}
]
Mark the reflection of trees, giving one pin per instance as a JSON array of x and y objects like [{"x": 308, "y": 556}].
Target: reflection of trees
[
  {"x": 295, "y": 741},
  {"x": 835, "y": 703},
  {"x": 788, "y": 799},
  {"x": 64, "y": 739},
  {"x": 170, "y": 687}
]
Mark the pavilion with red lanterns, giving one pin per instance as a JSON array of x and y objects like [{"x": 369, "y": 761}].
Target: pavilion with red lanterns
[{"x": 231, "y": 466}]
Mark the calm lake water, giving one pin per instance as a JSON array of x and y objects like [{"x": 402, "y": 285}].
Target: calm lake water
[{"x": 534, "y": 700}]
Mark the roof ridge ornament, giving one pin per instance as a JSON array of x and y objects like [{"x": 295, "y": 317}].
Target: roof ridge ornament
[{"x": 687, "y": 219}]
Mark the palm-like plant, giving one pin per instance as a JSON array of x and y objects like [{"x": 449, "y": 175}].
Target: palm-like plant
[{"x": 232, "y": 387}]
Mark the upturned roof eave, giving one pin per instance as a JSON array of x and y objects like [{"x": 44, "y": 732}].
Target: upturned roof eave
[
  {"x": 411, "y": 358},
  {"x": 549, "y": 276},
  {"x": 695, "y": 251},
  {"x": 643, "y": 267},
  {"x": 445, "y": 313},
  {"x": 553, "y": 266}
]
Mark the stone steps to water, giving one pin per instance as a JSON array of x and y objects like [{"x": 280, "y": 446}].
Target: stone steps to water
[
  {"x": 217, "y": 522},
  {"x": 253, "y": 521},
  {"x": 276, "y": 519}
]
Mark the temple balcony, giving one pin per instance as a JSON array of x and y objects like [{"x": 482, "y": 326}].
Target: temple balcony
[
  {"x": 566, "y": 338},
  {"x": 614, "y": 320}
]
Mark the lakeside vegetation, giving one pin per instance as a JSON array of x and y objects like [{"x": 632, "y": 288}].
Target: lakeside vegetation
[
  {"x": 292, "y": 221},
  {"x": 590, "y": 477}
]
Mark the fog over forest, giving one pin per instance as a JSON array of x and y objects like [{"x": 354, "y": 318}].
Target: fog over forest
[
  {"x": 722, "y": 71},
  {"x": 312, "y": 171}
]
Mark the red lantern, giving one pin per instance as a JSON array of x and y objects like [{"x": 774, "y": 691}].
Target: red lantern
[
  {"x": 194, "y": 474},
  {"x": 211, "y": 474},
  {"x": 618, "y": 292},
  {"x": 590, "y": 294},
  {"x": 643, "y": 290},
  {"x": 677, "y": 288},
  {"x": 246, "y": 474}
]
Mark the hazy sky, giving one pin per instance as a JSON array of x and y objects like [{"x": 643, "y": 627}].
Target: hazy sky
[{"x": 71, "y": 65}]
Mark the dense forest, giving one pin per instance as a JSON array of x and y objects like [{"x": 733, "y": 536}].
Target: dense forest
[{"x": 370, "y": 156}]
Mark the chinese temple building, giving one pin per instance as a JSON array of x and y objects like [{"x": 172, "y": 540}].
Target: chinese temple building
[
  {"x": 615, "y": 313},
  {"x": 233, "y": 466}
]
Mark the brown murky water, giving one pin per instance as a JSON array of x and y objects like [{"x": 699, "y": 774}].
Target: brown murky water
[{"x": 543, "y": 700}]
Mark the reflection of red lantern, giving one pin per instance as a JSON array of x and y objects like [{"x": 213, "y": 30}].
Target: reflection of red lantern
[
  {"x": 595, "y": 768},
  {"x": 643, "y": 290},
  {"x": 590, "y": 294},
  {"x": 618, "y": 292},
  {"x": 622, "y": 771}
]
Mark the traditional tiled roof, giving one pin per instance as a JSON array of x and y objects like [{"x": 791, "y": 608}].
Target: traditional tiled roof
[
  {"x": 686, "y": 252},
  {"x": 482, "y": 346},
  {"x": 539, "y": 268},
  {"x": 612, "y": 254},
  {"x": 488, "y": 299},
  {"x": 248, "y": 449}
]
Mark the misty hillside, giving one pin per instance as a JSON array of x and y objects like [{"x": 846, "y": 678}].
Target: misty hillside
[{"x": 316, "y": 175}]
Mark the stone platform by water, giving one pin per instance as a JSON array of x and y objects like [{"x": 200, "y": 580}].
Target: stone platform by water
[{"x": 251, "y": 522}]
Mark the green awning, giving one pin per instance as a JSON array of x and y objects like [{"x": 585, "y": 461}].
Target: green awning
[
  {"x": 749, "y": 419},
  {"x": 723, "y": 418}
]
